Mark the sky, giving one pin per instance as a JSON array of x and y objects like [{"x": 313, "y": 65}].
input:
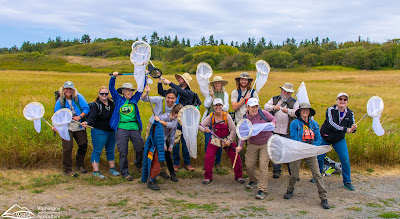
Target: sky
[{"x": 233, "y": 20}]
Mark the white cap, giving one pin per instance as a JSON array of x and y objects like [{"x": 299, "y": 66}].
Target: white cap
[
  {"x": 252, "y": 102},
  {"x": 342, "y": 94},
  {"x": 217, "y": 101}
]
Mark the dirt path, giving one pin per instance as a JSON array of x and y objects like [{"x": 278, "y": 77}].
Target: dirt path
[{"x": 45, "y": 192}]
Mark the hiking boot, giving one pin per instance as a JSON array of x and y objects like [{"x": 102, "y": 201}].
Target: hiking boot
[
  {"x": 152, "y": 185},
  {"x": 98, "y": 174},
  {"x": 164, "y": 175},
  {"x": 241, "y": 180},
  {"x": 72, "y": 174},
  {"x": 349, "y": 186},
  {"x": 114, "y": 172},
  {"x": 288, "y": 195},
  {"x": 218, "y": 166},
  {"x": 312, "y": 180},
  {"x": 276, "y": 175},
  {"x": 251, "y": 185},
  {"x": 207, "y": 181},
  {"x": 190, "y": 168},
  {"x": 128, "y": 177},
  {"x": 174, "y": 178},
  {"x": 260, "y": 195},
  {"x": 176, "y": 167},
  {"x": 81, "y": 169},
  {"x": 324, "y": 204}
]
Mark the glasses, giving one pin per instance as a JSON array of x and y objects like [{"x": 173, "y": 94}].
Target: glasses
[
  {"x": 101, "y": 94},
  {"x": 344, "y": 99}
]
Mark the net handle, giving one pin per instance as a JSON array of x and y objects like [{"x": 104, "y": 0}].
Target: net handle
[
  {"x": 362, "y": 118},
  {"x": 81, "y": 124},
  {"x": 121, "y": 74},
  {"x": 213, "y": 133}
]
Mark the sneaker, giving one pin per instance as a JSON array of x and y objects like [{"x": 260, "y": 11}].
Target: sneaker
[
  {"x": 128, "y": 177},
  {"x": 349, "y": 186},
  {"x": 81, "y": 169},
  {"x": 207, "y": 181},
  {"x": 164, "y": 175},
  {"x": 152, "y": 185},
  {"x": 288, "y": 195},
  {"x": 241, "y": 180},
  {"x": 114, "y": 172},
  {"x": 260, "y": 195},
  {"x": 98, "y": 174},
  {"x": 176, "y": 167},
  {"x": 312, "y": 180},
  {"x": 174, "y": 178},
  {"x": 251, "y": 185},
  {"x": 324, "y": 204},
  {"x": 72, "y": 174},
  {"x": 190, "y": 168},
  {"x": 218, "y": 166},
  {"x": 276, "y": 175}
]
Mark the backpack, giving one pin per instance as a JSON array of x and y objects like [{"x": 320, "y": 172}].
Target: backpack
[
  {"x": 196, "y": 100},
  {"x": 224, "y": 116},
  {"x": 99, "y": 107},
  {"x": 62, "y": 103},
  {"x": 240, "y": 94},
  {"x": 261, "y": 114}
]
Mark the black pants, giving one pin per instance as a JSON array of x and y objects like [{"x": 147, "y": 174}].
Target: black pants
[{"x": 168, "y": 160}]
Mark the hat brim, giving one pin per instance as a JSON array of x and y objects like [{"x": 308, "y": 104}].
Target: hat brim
[
  {"x": 312, "y": 112},
  {"x": 119, "y": 90},
  {"x": 250, "y": 79},
  {"x": 181, "y": 76},
  {"x": 287, "y": 90},
  {"x": 223, "y": 82}
]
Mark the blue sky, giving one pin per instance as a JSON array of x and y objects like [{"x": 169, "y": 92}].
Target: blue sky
[{"x": 233, "y": 20}]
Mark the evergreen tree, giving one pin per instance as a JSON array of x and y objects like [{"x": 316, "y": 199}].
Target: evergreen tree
[
  {"x": 183, "y": 43},
  {"x": 188, "y": 43},
  {"x": 203, "y": 41},
  {"x": 144, "y": 38},
  {"x": 85, "y": 39},
  {"x": 175, "y": 42},
  {"x": 211, "y": 41},
  {"x": 154, "y": 39}
]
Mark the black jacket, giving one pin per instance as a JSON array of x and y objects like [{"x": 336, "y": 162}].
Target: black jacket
[
  {"x": 332, "y": 131},
  {"x": 99, "y": 116},
  {"x": 186, "y": 96}
]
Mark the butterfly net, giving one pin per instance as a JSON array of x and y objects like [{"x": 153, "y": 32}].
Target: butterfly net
[
  {"x": 34, "y": 111},
  {"x": 375, "y": 109},
  {"x": 189, "y": 117},
  {"x": 301, "y": 94},
  {"x": 60, "y": 120},
  {"x": 203, "y": 73},
  {"x": 263, "y": 69},
  {"x": 285, "y": 150},
  {"x": 244, "y": 129},
  {"x": 140, "y": 56}
]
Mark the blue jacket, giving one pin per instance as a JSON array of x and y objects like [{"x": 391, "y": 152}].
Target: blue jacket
[
  {"x": 154, "y": 142},
  {"x": 119, "y": 101},
  {"x": 296, "y": 131},
  {"x": 82, "y": 103}
]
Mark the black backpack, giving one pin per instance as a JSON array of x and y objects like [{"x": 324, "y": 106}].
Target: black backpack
[
  {"x": 196, "y": 100},
  {"x": 99, "y": 107}
]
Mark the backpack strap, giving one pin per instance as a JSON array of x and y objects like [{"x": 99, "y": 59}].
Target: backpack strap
[
  {"x": 224, "y": 116},
  {"x": 262, "y": 114}
]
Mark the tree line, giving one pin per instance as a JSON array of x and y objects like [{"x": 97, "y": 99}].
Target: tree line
[{"x": 360, "y": 54}]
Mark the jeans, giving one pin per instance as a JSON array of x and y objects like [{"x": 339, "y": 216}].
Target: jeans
[
  {"x": 219, "y": 151},
  {"x": 185, "y": 152},
  {"x": 101, "y": 139},
  {"x": 341, "y": 150}
]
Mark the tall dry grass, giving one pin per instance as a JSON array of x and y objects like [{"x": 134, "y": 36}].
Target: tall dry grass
[{"x": 21, "y": 146}]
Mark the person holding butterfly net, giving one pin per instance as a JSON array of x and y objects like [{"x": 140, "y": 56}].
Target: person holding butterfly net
[
  {"x": 283, "y": 108},
  {"x": 242, "y": 94}
]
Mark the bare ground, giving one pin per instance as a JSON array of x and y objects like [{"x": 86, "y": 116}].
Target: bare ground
[{"x": 46, "y": 192}]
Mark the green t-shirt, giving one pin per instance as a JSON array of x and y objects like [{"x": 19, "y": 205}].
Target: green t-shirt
[
  {"x": 220, "y": 95},
  {"x": 127, "y": 117}
]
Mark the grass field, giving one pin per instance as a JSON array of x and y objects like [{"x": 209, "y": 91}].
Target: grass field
[{"x": 21, "y": 146}]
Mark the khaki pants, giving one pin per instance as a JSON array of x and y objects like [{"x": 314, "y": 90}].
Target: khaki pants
[
  {"x": 253, "y": 153},
  {"x": 312, "y": 164}
]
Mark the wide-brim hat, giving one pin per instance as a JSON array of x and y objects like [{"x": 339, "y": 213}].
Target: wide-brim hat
[
  {"x": 218, "y": 79},
  {"x": 288, "y": 87},
  {"x": 244, "y": 75},
  {"x": 305, "y": 106},
  {"x": 125, "y": 86},
  {"x": 186, "y": 77}
]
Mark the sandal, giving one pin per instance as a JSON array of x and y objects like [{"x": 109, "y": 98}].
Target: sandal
[
  {"x": 207, "y": 181},
  {"x": 241, "y": 180}
]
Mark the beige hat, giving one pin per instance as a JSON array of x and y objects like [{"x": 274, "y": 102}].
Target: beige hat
[
  {"x": 244, "y": 75},
  {"x": 218, "y": 79},
  {"x": 305, "y": 105},
  {"x": 288, "y": 87},
  {"x": 125, "y": 86},
  {"x": 342, "y": 94},
  {"x": 186, "y": 77}
]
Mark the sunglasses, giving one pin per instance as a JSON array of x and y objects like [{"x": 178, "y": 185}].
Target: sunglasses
[
  {"x": 344, "y": 99},
  {"x": 101, "y": 94}
]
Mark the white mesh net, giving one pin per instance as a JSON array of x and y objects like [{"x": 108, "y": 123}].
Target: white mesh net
[
  {"x": 263, "y": 69},
  {"x": 34, "y": 111},
  {"x": 301, "y": 94},
  {"x": 189, "y": 117},
  {"x": 141, "y": 53},
  {"x": 203, "y": 73},
  {"x": 375, "y": 109},
  {"x": 60, "y": 120},
  {"x": 244, "y": 129},
  {"x": 285, "y": 150}
]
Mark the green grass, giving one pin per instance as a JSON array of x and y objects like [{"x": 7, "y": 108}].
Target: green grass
[
  {"x": 354, "y": 208},
  {"x": 334, "y": 68},
  {"x": 393, "y": 214},
  {"x": 374, "y": 205},
  {"x": 109, "y": 181},
  {"x": 121, "y": 203}
]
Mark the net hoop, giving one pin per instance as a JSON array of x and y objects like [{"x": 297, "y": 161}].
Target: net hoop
[
  {"x": 263, "y": 67},
  {"x": 136, "y": 51},
  {"x": 58, "y": 112},
  {"x": 27, "y": 108},
  {"x": 185, "y": 108},
  {"x": 200, "y": 72},
  {"x": 380, "y": 109},
  {"x": 238, "y": 131}
]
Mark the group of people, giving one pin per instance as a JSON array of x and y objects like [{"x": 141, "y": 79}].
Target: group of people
[{"x": 116, "y": 121}]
